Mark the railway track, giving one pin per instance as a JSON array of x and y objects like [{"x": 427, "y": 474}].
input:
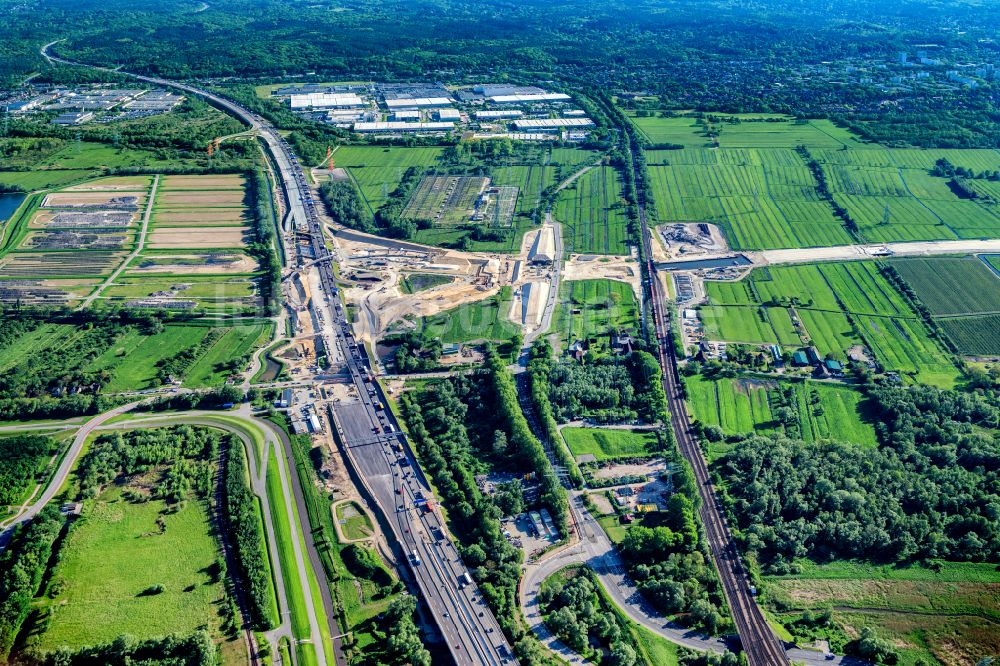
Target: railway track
[{"x": 761, "y": 646}]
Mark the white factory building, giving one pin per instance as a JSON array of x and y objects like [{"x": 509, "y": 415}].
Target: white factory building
[
  {"x": 416, "y": 103},
  {"x": 550, "y": 124},
  {"x": 499, "y": 114},
  {"x": 326, "y": 101},
  {"x": 448, "y": 114},
  {"x": 407, "y": 115},
  {"x": 529, "y": 99},
  {"x": 402, "y": 127}
]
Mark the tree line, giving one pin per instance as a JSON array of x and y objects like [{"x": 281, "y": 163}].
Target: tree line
[{"x": 244, "y": 524}]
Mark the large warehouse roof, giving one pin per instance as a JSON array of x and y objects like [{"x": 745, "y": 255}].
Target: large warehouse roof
[
  {"x": 418, "y": 101},
  {"x": 504, "y": 113},
  {"x": 544, "y": 97},
  {"x": 549, "y": 123},
  {"x": 403, "y": 127},
  {"x": 321, "y": 100}
]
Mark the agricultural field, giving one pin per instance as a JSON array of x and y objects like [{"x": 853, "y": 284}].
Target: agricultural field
[
  {"x": 760, "y": 197},
  {"x": 116, "y": 554},
  {"x": 608, "y": 443},
  {"x": 963, "y": 295},
  {"x": 677, "y": 130},
  {"x": 893, "y": 196},
  {"x": 589, "y": 310},
  {"x": 746, "y": 176},
  {"x": 832, "y": 306},
  {"x": 59, "y": 244},
  {"x": 946, "y": 612},
  {"x": 194, "y": 256},
  {"x": 378, "y": 170},
  {"x": 144, "y": 493},
  {"x": 482, "y": 320},
  {"x": 60, "y": 162},
  {"x": 811, "y": 410},
  {"x": 592, "y": 213}
]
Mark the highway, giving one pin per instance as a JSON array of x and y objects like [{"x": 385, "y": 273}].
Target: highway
[
  {"x": 761, "y": 646},
  {"x": 466, "y": 622}
]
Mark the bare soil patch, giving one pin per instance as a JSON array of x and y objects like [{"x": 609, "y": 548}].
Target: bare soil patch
[
  {"x": 169, "y": 238},
  {"x": 110, "y": 199},
  {"x": 200, "y": 198},
  {"x": 195, "y": 264},
  {"x": 113, "y": 183},
  {"x": 225, "y": 182}
]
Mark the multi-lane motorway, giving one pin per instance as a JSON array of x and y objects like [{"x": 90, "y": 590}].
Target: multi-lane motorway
[{"x": 369, "y": 433}]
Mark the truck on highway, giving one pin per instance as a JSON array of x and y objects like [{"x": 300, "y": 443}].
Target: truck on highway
[
  {"x": 416, "y": 556},
  {"x": 464, "y": 579}
]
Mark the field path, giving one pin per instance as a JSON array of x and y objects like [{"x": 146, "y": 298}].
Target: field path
[{"x": 140, "y": 242}]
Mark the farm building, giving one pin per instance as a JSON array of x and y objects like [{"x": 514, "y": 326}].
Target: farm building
[{"x": 799, "y": 358}]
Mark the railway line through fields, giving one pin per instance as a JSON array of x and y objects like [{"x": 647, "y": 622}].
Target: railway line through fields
[{"x": 761, "y": 646}]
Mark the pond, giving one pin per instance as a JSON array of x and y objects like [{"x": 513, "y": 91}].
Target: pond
[{"x": 9, "y": 201}]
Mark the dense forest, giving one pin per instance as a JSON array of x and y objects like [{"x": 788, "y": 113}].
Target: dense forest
[
  {"x": 609, "y": 389},
  {"x": 929, "y": 491},
  {"x": 666, "y": 51},
  {"x": 22, "y": 458}
]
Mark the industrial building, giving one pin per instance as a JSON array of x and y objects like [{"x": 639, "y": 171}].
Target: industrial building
[
  {"x": 494, "y": 89},
  {"x": 403, "y": 127},
  {"x": 529, "y": 99},
  {"x": 497, "y": 114},
  {"x": 326, "y": 101},
  {"x": 417, "y": 103},
  {"x": 448, "y": 114},
  {"x": 411, "y": 115},
  {"x": 73, "y": 118},
  {"x": 550, "y": 124}
]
